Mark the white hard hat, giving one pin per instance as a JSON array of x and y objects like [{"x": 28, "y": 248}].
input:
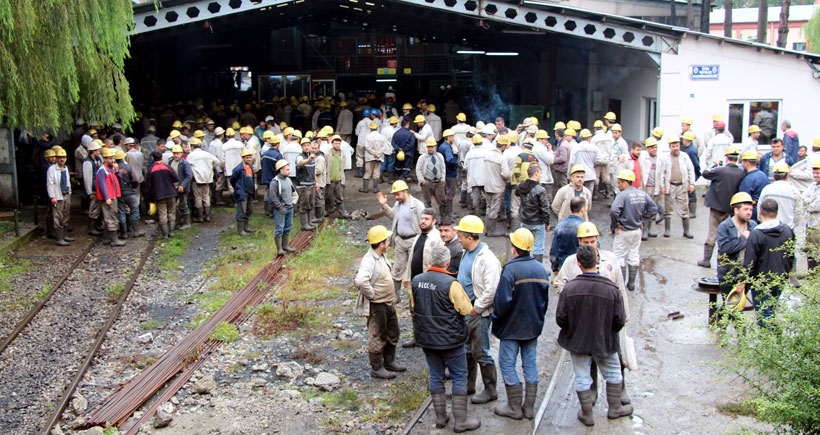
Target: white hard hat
[{"x": 489, "y": 129}]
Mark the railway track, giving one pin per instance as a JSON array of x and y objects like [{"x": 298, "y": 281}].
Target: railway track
[{"x": 43, "y": 359}]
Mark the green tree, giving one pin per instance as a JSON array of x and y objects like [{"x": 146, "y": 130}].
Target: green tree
[
  {"x": 813, "y": 32},
  {"x": 64, "y": 58}
]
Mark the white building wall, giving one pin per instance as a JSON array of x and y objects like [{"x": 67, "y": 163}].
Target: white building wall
[{"x": 745, "y": 74}]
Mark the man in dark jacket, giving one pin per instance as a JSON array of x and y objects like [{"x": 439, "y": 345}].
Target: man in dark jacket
[
  {"x": 269, "y": 159},
  {"x": 449, "y": 236},
  {"x": 534, "y": 211},
  {"x": 590, "y": 313},
  {"x": 755, "y": 180},
  {"x": 186, "y": 176},
  {"x": 439, "y": 305},
  {"x": 161, "y": 186},
  {"x": 725, "y": 183},
  {"x": 405, "y": 140},
  {"x": 769, "y": 256},
  {"x": 520, "y": 304},
  {"x": 244, "y": 189},
  {"x": 128, "y": 207},
  {"x": 565, "y": 239},
  {"x": 732, "y": 236}
]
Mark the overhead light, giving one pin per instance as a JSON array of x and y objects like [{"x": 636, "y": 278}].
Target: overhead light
[
  {"x": 344, "y": 6},
  {"x": 370, "y": 4},
  {"x": 385, "y": 80},
  {"x": 469, "y": 52},
  {"x": 523, "y": 32},
  {"x": 501, "y": 53}
]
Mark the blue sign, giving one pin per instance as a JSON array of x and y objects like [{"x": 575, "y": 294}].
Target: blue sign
[{"x": 704, "y": 72}]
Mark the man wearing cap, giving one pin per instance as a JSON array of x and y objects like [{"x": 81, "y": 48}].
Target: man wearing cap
[
  {"x": 725, "y": 182},
  {"x": 210, "y": 134},
  {"x": 307, "y": 184},
  {"x": 434, "y": 121},
  {"x": 773, "y": 157},
  {"x": 183, "y": 170},
  {"x": 653, "y": 169},
  {"x": 128, "y": 211},
  {"x": 406, "y": 214},
  {"x": 534, "y": 211},
  {"x": 249, "y": 141},
  {"x": 107, "y": 187},
  {"x": 790, "y": 140},
  {"x": 475, "y": 169},
  {"x": 91, "y": 165},
  {"x": 618, "y": 154},
  {"x": 679, "y": 182},
  {"x": 148, "y": 143},
  {"x": 404, "y": 141},
  {"x": 280, "y": 196},
  {"x": 603, "y": 142},
  {"x": 584, "y": 154},
  {"x": 424, "y": 131},
  {"x": 686, "y": 127},
  {"x": 334, "y": 168},
  {"x": 461, "y": 127},
  {"x": 431, "y": 172},
  {"x": 755, "y": 180},
  {"x": 519, "y": 307},
  {"x": 658, "y": 134},
  {"x": 784, "y": 193},
  {"x": 58, "y": 187},
  {"x": 565, "y": 236},
  {"x": 496, "y": 175},
  {"x": 389, "y": 164},
  {"x": 270, "y": 155},
  {"x": 717, "y": 145},
  {"x": 202, "y": 165},
  {"x": 542, "y": 150},
  {"x": 631, "y": 208},
  {"x": 717, "y": 120},
  {"x": 244, "y": 189},
  {"x": 560, "y": 164},
  {"x": 374, "y": 146},
  {"x": 752, "y": 141},
  {"x": 810, "y": 215},
  {"x": 291, "y": 149},
  {"x": 576, "y": 188},
  {"x": 732, "y": 235},
  {"x": 446, "y": 149}
]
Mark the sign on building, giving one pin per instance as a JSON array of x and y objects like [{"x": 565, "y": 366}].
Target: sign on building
[{"x": 704, "y": 72}]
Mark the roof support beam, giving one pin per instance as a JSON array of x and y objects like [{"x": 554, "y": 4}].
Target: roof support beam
[{"x": 199, "y": 11}]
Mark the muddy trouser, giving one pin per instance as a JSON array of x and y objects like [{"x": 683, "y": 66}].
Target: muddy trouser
[
  {"x": 478, "y": 198},
  {"x": 613, "y": 180},
  {"x": 433, "y": 189},
  {"x": 450, "y": 188},
  {"x": 626, "y": 245},
  {"x": 560, "y": 178},
  {"x": 167, "y": 210},
  {"x": 406, "y": 165},
  {"x": 93, "y": 207},
  {"x": 202, "y": 195},
  {"x": 515, "y": 205},
  {"x": 334, "y": 194},
  {"x": 128, "y": 208},
  {"x": 715, "y": 218},
  {"x": 109, "y": 212},
  {"x": 659, "y": 199},
  {"x": 61, "y": 212},
  {"x": 220, "y": 186},
  {"x": 244, "y": 209},
  {"x": 401, "y": 255},
  {"x": 677, "y": 199},
  {"x": 389, "y": 164},
  {"x": 494, "y": 204},
  {"x": 307, "y": 197},
  {"x": 382, "y": 327},
  {"x": 360, "y": 156},
  {"x": 462, "y": 181},
  {"x": 182, "y": 204},
  {"x": 602, "y": 175},
  {"x": 372, "y": 170},
  {"x": 478, "y": 339},
  {"x": 319, "y": 201}
]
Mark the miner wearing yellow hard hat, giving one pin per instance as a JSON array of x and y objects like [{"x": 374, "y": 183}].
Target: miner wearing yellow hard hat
[
  {"x": 585, "y": 154},
  {"x": 561, "y": 203},
  {"x": 752, "y": 140},
  {"x": 375, "y": 145},
  {"x": 281, "y": 193},
  {"x": 244, "y": 189},
  {"x": 716, "y": 143},
  {"x": 434, "y": 121},
  {"x": 425, "y": 130},
  {"x": 773, "y": 157},
  {"x": 602, "y": 140},
  {"x": 202, "y": 165},
  {"x": 783, "y": 192},
  {"x": 630, "y": 209},
  {"x": 406, "y": 214},
  {"x": 431, "y": 172},
  {"x": 733, "y": 233},
  {"x": 725, "y": 182},
  {"x": 107, "y": 190},
  {"x": 185, "y": 174},
  {"x": 344, "y": 122},
  {"x": 58, "y": 187},
  {"x": 679, "y": 183},
  {"x": 389, "y": 163},
  {"x": 755, "y": 180},
  {"x": 129, "y": 222}
]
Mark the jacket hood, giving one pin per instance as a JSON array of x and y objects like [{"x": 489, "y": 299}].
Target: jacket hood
[
  {"x": 526, "y": 186},
  {"x": 771, "y": 228}
]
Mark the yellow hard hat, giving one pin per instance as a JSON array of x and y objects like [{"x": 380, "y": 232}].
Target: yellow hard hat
[
  {"x": 570, "y": 132},
  {"x": 461, "y": 117},
  {"x": 246, "y": 152},
  {"x": 542, "y": 134},
  {"x": 57, "y": 148},
  {"x": 431, "y": 142},
  {"x": 672, "y": 139},
  {"x": 741, "y": 197},
  {"x": 297, "y": 133},
  {"x": 400, "y": 156},
  {"x": 327, "y": 129},
  {"x": 321, "y": 134},
  {"x": 528, "y": 143},
  {"x": 559, "y": 126},
  {"x": 502, "y": 140},
  {"x": 288, "y": 131},
  {"x": 267, "y": 134},
  {"x": 687, "y": 121},
  {"x": 651, "y": 142},
  {"x": 377, "y": 234},
  {"x": 577, "y": 168},
  {"x": 816, "y": 164},
  {"x": 281, "y": 163},
  {"x": 754, "y": 129},
  {"x": 523, "y": 239},
  {"x": 689, "y": 136},
  {"x": 657, "y": 131},
  {"x": 374, "y": 126},
  {"x": 309, "y": 134},
  {"x": 174, "y": 133},
  {"x": 587, "y": 229},
  {"x": 60, "y": 152},
  {"x": 616, "y": 127},
  {"x": 732, "y": 150},
  {"x": 419, "y": 118},
  {"x": 534, "y": 121},
  {"x": 749, "y": 155},
  {"x": 781, "y": 167},
  {"x": 470, "y": 224},
  {"x": 815, "y": 143},
  {"x": 119, "y": 155},
  {"x": 717, "y": 117},
  {"x": 109, "y": 152},
  {"x": 736, "y": 300},
  {"x": 92, "y": 132},
  {"x": 448, "y": 132},
  {"x": 398, "y": 186},
  {"x": 339, "y": 138},
  {"x": 304, "y": 140},
  {"x": 393, "y": 120},
  {"x": 152, "y": 208},
  {"x": 283, "y": 125},
  {"x": 50, "y": 153},
  {"x": 177, "y": 124},
  {"x": 598, "y": 124},
  {"x": 431, "y": 107},
  {"x": 627, "y": 175},
  {"x": 575, "y": 125},
  {"x": 610, "y": 116},
  {"x": 407, "y": 106},
  {"x": 94, "y": 146},
  {"x": 477, "y": 139},
  {"x": 230, "y": 132},
  {"x": 195, "y": 141},
  {"x": 513, "y": 136},
  {"x": 246, "y": 130},
  {"x": 174, "y": 149},
  {"x": 236, "y": 125},
  {"x": 199, "y": 134},
  {"x": 585, "y": 133}
]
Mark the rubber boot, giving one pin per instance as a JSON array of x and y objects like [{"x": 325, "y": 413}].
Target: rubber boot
[
  {"x": 207, "y": 215},
  {"x": 66, "y": 237},
  {"x": 492, "y": 229},
  {"x": 137, "y": 230},
  {"x": 248, "y": 230},
  {"x": 359, "y": 172},
  {"x": 59, "y": 234},
  {"x": 365, "y": 186},
  {"x": 171, "y": 229},
  {"x": 51, "y": 232},
  {"x": 305, "y": 219},
  {"x": 163, "y": 229},
  {"x": 707, "y": 256},
  {"x": 686, "y": 232},
  {"x": 633, "y": 273},
  {"x": 462, "y": 423},
  {"x": 472, "y": 374},
  {"x": 513, "y": 407},
  {"x": 645, "y": 229},
  {"x": 186, "y": 222},
  {"x": 375, "y": 186},
  {"x": 92, "y": 228},
  {"x": 451, "y": 210},
  {"x": 613, "y": 399},
  {"x": 650, "y": 232},
  {"x": 286, "y": 244},
  {"x": 528, "y": 408},
  {"x": 122, "y": 232},
  {"x": 625, "y": 399},
  {"x": 593, "y": 373},
  {"x": 377, "y": 367},
  {"x": 660, "y": 215},
  {"x": 667, "y": 227},
  {"x": 693, "y": 208},
  {"x": 515, "y": 223},
  {"x": 389, "y": 353},
  {"x": 440, "y": 406},
  {"x": 278, "y": 241},
  {"x": 586, "y": 398},
  {"x": 397, "y": 289},
  {"x": 625, "y": 274},
  {"x": 112, "y": 236},
  {"x": 199, "y": 213},
  {"x": 343, "y": 212},
  {"x": 240, "y": 228},
  {"x": 462, "y": 201},
  {"x": 539, "y": 258},
  {"x": 268, "y": 209},
  {"x": 318, "y": 215},
  {"x": 489, "y": 377}
]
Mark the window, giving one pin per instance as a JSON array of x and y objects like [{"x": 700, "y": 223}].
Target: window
[
  {"x": 799, "y": 46},
  {"x": 745, "y": 113},
  {"x": 651, "y": 119}
]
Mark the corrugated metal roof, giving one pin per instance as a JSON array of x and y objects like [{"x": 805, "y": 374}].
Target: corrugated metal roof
[{"x": 749, "y": 15}]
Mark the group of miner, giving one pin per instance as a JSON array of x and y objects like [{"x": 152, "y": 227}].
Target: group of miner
[{"x": 515, "y": 179}]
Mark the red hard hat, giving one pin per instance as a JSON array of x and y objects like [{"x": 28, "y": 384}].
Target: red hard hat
[{"x": 720, "y": 124}]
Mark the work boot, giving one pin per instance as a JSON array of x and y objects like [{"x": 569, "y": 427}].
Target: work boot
[
  {"x": 451, "y": 210},
  {"x": 492, "y": 229},
  {"x": 112, "y": 236},
  {"x": 163, "y": 229},
  {"x": 693, "y": 208},
  {"x": 305, "y": 219},
  {"x": 186, "y": 222},
  {"x": 667, "y": 227},
  {"x": 462, "y": 200},
  {"x": 318, "y": 215},
  {"x": 462, "y": 423},
  {"x": 397, "y": 289},
  {"x": 170, "y": 229},
  {"x": 515, "y": 223},
  {"x": 539, "y": 258},
  {"x": 67, "y": 238},
  {"x": 389, "y": 353},
  {"x": 633, "y": 273},
  {"x": 489, "y": 377},
  {"x": 343, "y": 212},
  {"x": 199, "y": 213},
  {"x": 286, "y": 244},
  {"x": 649, "y": 231},
  {"x": 645, "y": 229},
  {"x": 528, "y": 408},
  {"x": 661, "y": 213},
  {"x": 278, "y": 241},
  {"x": 359, "y": 172},
  {"x": 440, "y": 406},
  {"x": 365, "y": 186},
  {"x": 513, "y": 407},
  {"x": 613, "y": 399},
  {"x": 268, "y": 209},
  {"x": 122, "y": 231},
  {"x": 707, "y": 256},
  {"x": 375, "y": 186},
  {"x": 92, "y": 228},
  {"x": 59, "y": 234},
  {"x": 472, "y": 374},
  {"x": 686, "y": 232},
  {"x": 240, "y": 228},
  {"x": 50, "y": 230},
  {"x": 207, "y": 215},
  {"x": 137, "y": 230},
  {"x": 624, "y": 274},
  {"x": 625, "y": 399},
  {"x": 248, "y": 230},
  {"x": 586, "y": 398},
  {"x": 377, "y": 367}
]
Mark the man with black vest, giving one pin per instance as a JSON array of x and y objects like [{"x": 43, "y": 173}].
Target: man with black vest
[{"x": 306, "y": 184}]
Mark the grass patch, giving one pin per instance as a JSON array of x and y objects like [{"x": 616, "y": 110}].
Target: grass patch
[
  {"x": 10, "y": 268},
  {"x": 43, "y": 292},
  {"x": 17, "y": 303},
  {"x": 6, "y": 227},
  {"x": 272, "y": 320},
  {"x": 346, "y": 344},
  {"x": 225, "y": 332},
  {"x": 747, "y": 408},
  {"x": 343, "y": 399},
  {"x": 115, "y": 291},
  {"x": 211, "y": 301},
  {"x": 198, "y": 320},
  {"x": 149, "y": 324},
  {"x": 404, "y": 398},
  {"x": 174, "y": 248}
]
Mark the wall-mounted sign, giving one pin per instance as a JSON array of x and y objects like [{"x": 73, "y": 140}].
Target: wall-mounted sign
[{"x": 704, "y": 72}]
